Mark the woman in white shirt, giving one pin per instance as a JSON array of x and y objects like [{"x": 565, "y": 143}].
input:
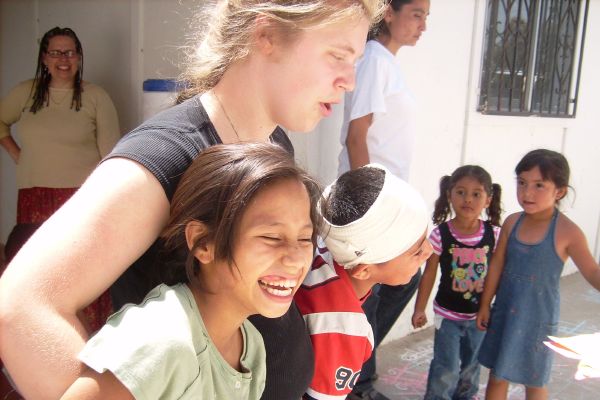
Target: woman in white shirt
[{"x": 379, "y": 126}]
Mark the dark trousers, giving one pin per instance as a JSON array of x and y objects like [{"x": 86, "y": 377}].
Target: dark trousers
[
  {"x": 383, "y": 308},
  {"x": 17, "y": 238}
]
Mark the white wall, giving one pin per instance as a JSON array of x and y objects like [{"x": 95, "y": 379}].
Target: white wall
[
  {"x": 127, "y": 41},
  {"x": 443, "y": 72},
  {"x": 13, "y": 47}
]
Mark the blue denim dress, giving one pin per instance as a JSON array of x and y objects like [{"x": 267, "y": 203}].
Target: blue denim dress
[{"x": 525, "y": 312}]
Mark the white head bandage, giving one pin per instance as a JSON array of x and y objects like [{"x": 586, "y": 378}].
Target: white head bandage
[{"x": 395, "y": 221}]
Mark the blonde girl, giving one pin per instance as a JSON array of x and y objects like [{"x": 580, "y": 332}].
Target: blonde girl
[{"x": 261, "y": 65}]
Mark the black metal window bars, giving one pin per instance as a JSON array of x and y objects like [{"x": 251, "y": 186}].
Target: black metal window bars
[{"x": 533, "y": 52}]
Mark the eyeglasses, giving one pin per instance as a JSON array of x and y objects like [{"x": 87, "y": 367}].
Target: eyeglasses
[{"x": 59, "y": 53}]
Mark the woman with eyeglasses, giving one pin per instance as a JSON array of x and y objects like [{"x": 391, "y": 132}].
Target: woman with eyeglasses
[{"x": 65, "y": 126}]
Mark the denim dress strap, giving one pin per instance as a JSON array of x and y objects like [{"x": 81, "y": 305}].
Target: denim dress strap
[{"x": 525, "y": 311}]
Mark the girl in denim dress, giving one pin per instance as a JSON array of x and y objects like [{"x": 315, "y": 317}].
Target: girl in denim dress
[
  {"x": 462, "y": 247},
  {"x": 524, "y": 276}
]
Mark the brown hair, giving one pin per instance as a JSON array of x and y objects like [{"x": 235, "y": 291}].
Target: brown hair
[
  {"x": 442, "y": 208},
  {"x": 42, "y": 78},
  {"x": 215, "y": 190},
  {"x": 225, "y": 35},
  {"x": 553, "y": 166},
  {"x": 381, "y": 28}
]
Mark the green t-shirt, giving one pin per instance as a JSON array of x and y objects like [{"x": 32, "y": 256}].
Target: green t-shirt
[{"x": 161, "y": 350}]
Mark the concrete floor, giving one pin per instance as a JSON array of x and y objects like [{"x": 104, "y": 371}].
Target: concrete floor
[{"x": 403, "y": 364}]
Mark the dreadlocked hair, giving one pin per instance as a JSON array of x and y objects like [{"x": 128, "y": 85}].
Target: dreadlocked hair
[{"x": 41, "y": 82}]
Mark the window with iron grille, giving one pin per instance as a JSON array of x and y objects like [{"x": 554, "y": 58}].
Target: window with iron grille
[{"x": 532, "y": 57}]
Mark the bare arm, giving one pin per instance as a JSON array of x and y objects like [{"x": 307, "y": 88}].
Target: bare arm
[
  {"x": 356, "y": 141},
  {"x": 579, "y": 252},
  {"x": 11, "y": 147},
  {"x": 425, "y": 287},
  {"x": 76, "y": 255},
  {"x": 107, "y": 124},
  {"x": 495, "y": 268},
  {"x": 94, "y": 386},
  {"x": 11, "y": 107}
]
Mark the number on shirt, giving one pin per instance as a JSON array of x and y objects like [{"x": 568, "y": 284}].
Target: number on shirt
[{"x": 345, "y": 378}]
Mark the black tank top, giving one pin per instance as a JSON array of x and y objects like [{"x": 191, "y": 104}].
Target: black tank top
[{"x": 464, "y": 269}]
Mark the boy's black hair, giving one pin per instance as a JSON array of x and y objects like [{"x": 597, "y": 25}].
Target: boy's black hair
[{"x": 353, "y": 194}]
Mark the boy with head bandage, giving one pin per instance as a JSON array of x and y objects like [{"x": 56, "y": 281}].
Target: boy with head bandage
[{"x": 375, "y": 232}]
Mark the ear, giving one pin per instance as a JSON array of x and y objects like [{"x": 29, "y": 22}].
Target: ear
[
  {"x": 264, "y": 35},
  {"x": 361, "y": 271},
  {"x": 204, "y": 251},
  {"x": 389, "y": 13},
  {"x": 488, "y": 202},
  {"x": 560, "y": 193}
]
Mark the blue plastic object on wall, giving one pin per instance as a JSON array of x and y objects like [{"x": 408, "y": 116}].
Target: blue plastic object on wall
[{"x": 161, "y": 85}]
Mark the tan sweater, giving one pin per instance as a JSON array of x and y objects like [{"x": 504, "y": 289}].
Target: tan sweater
[{"x": 59, "y": 146}]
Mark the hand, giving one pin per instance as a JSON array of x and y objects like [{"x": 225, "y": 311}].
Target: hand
[
  {"x": 483, "y": 317},
  {"x": 419, "y": 319}
]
